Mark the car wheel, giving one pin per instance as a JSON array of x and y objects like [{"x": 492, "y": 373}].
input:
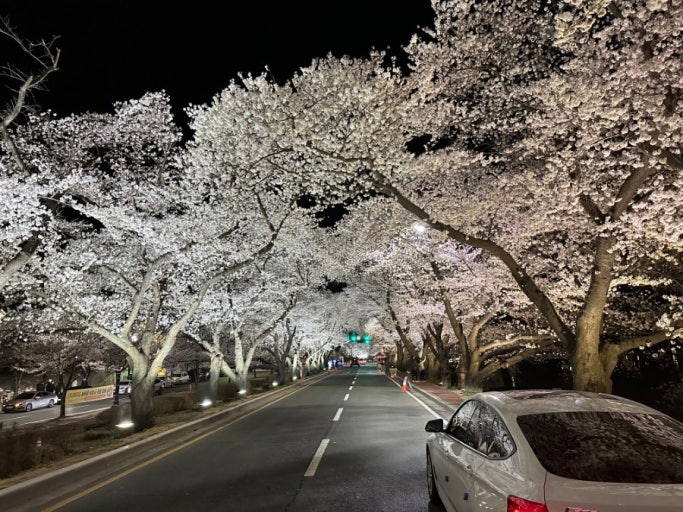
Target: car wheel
[
  {"x": 51, "y": 403},
  {"x": 29, "y": 407},
  {"x": 431, "y": 482}
]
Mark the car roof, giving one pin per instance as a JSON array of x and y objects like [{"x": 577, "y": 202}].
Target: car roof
[{"x": 538, "y": 401}]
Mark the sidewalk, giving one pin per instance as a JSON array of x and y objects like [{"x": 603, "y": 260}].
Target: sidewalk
[{"x": 450, "y": 397}]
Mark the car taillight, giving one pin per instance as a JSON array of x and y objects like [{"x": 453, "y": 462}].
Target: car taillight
[{"x": 516, "y": 504}]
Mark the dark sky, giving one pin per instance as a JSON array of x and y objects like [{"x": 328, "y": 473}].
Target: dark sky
[{"x": 116, "y": 50}]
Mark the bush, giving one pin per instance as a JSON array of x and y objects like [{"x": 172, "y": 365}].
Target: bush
[
  {"x": 260, "y": 384},
  {"x": 226, "y": 390},
  {"x": 166, "y": 404},
  {"x": 26, "y": 447}
]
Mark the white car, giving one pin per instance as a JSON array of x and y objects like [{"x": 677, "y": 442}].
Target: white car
[
  {"x": 555, "y": 451},
  {"x": 125, "y": 387},
  {"x": 30, "y": 400},
  {"x": 180, "y": 377}
]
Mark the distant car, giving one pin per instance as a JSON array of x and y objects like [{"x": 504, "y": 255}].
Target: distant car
[
  {"x": 355, "y": 362},
  {"x": 29, "y": 400},
  {"x": 180, "y": 378},
  {"x": 555, "y": 451},
  {"x": 202, "y": 374},
  {"x": 125, "y": 387}
]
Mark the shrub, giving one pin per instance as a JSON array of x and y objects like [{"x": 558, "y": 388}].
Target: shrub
[
  {"x": 227, "y": 390},
  {"x": 260, "y": 384},
  {"x": 166, "y": 404},
  {"x": 27, "y": 447}
]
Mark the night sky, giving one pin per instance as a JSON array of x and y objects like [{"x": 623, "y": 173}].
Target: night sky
[{"x": 115, "y": 50}]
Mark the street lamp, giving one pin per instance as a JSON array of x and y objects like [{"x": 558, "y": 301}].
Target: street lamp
[{"x": 117, "y": 381}]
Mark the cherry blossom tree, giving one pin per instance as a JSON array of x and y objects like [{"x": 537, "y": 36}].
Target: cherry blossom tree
[
  {"x": 586, "y": 105},
  {"x": 428, "y": 279},
  {"x": 27, "y": 189},
  {"x": 244, "y": 323},
  {"x": 250, "y": 316},
  {"x": 539, "y": 142},
  {"x": 163, "y": 237},
  {"x": 465, "y": 144}
]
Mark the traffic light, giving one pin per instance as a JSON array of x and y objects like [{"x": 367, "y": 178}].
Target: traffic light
[
  {"x": 353, "y": 336},
  {"x": 366, "y": 338}
]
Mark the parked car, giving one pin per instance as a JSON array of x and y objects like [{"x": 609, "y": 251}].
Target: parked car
[
  {"x": 202, "y": 374},
  {"x": 555, "y": 451},
  {"x": 125, "y": 387},
  {"x": 180, "y": 378},
  {"x": 29, "y": 400}
]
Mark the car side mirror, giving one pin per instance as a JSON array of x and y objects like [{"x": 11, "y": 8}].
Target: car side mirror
[{"x": 434, "y": 426}]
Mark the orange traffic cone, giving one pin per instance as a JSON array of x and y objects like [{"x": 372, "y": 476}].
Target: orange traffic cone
[{"x": 404, "y": 388}]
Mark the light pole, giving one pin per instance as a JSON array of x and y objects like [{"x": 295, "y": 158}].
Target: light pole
[{"x": 117, "y": 381}]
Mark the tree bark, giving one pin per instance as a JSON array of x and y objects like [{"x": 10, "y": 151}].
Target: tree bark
[{"x": 589, "y": 372}]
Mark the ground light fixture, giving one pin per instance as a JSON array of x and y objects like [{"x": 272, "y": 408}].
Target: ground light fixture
[
  {"x": 125, "y": 424},
  {"x": 205, "y": 403},
  {"x": 242, "y": 392}
]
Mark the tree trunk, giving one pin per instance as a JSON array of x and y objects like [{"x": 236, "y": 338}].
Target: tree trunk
[
  {"x": 589, "y": 372},
  {"x": 214, "y": 374},
  {"x": 142, "y": 407},
  {"x": 445, "y": 373},
  {"x": 474, "y": 379}
]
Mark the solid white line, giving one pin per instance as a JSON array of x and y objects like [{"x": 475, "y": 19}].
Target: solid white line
[
  {"x": 313, "y": 466},
  {"x": 429, "y": 409},
  {"x": 338, "y": 415},
  {"x": 346, "y": 397}
]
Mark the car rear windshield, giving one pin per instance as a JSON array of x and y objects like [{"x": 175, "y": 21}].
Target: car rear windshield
[{"x": 607, "y": 446}]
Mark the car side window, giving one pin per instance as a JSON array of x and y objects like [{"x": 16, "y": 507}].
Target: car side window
[
  {"x": 476, "y": 429},
  {"x": 501, "y": 443},
  {"x": 457, "y": 427},
  {"x": 493, "y": 438},
  {"x": 485, "y": 432}
]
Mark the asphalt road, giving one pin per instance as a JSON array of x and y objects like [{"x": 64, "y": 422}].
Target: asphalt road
[{"x": 351, "y": 440}]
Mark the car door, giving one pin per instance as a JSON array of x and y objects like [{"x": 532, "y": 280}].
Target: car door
[
  {"x": 457, "y": 460},
  {"x": 40, "y": 399}
]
